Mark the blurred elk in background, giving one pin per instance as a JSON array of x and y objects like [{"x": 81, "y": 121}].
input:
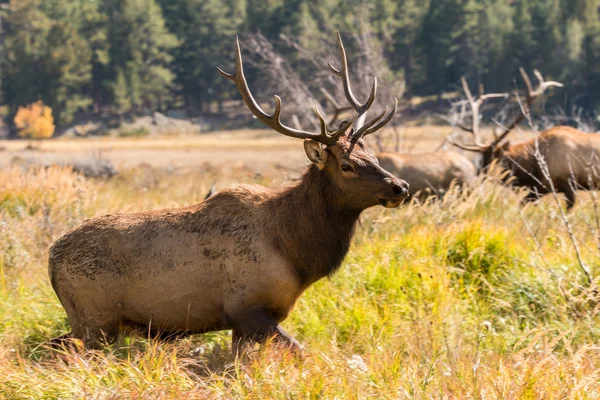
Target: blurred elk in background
[
  {"x": 435, "y": 172},
  {"x": 561, "y": 159},
  {"x": 429, "y": 173}
]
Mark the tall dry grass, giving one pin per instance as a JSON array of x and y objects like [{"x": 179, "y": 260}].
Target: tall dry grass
[{"x": 473, "y": 296}]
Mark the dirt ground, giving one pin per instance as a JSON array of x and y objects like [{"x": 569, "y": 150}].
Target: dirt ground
[{"x": 251, "y": 149}]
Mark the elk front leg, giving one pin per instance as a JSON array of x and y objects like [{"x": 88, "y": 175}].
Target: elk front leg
[
  {"x": 570, "y": 194},
  {"x": 258, "y": 326}
]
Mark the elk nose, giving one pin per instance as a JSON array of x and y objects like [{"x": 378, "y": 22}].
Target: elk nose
[{"x": 401, "y": 189}]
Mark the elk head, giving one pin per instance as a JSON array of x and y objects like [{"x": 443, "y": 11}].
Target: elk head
[
  {"x": 495, "y": 150},
  {"x": 339, "y": 154}
]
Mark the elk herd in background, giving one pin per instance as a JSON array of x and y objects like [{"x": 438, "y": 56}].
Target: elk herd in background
[
  {"x": 561, "y": 159},
  {"x": 240, "y": 259}
]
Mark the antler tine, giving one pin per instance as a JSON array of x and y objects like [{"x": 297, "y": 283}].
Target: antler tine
[
  {"x": 457, "y": 121},
  {"x": 543, "y": 84},
  {"x": 475, "y": 105},
  {"x": 524, "y": 112},
  {"x": 527, "y": 82},
  {"x": 466, "y": 89},
  {"x": 494, "y": 96},
  {"x": 373, "y": 125},
  {"x": 383, "y": 122},
  {"x": 360, "y": 128},
  {"x": 474, "y": 130},
  {"x": 273, "y": 120},
  {"x": 532, "y": 95},
  {"x": 360, "y": 132},
  {"x": 343, "y": 74},
  {"x": 473, "y": 148},
  {"x": 344, "y": 125}
]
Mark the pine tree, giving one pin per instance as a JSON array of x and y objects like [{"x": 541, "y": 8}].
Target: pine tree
[
  {"x": 139, "y": 49},
  {"x": 496, "y": 22},
  {"x": 129, "y": 56},
  {"x": 406, "y": 54},
  {"x": 122, "y": 99},
  {"x": 438, "y": 48},
  {"x": 25, "y": 28},
  {"x": 69, "y": 56},
  {"x": 46, "y": 58},
  {"x": 206, "y": 32},
  {"x": 591, "y": 54}
]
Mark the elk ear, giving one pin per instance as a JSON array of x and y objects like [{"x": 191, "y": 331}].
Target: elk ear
[{"x": 315, "y": 152}]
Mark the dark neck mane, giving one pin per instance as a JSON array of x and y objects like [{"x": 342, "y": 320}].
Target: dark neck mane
[
  {"x": 310, "y": 227},
  {"x": 523, "y": 165}
]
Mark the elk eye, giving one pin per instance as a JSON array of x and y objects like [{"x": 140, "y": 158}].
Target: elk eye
[{"x": 347, "y": 167}]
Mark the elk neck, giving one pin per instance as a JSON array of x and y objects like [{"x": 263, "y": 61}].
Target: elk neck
[
  {"x": 311, "y": 227},
  {"x": 519, "y": 159}
]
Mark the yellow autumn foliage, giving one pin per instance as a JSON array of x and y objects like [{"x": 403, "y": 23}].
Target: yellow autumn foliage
[{"x": 35, "y": 121}]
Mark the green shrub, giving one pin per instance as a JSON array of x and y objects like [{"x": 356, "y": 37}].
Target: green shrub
[{"x": 478, "y": 257}]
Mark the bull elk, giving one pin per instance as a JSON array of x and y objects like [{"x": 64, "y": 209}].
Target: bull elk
[
  {"x": 569, "y": 157},
  {"x": 240, "y": 259}
]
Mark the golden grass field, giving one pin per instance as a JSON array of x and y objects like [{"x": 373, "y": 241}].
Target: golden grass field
[{"x": 474, "y": 296}]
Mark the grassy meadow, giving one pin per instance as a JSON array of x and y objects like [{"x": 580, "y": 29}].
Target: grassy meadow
[{"x": 470, "y": 297}]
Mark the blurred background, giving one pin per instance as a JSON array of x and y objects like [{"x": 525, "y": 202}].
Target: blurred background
[{"x": 145, "y": 67}]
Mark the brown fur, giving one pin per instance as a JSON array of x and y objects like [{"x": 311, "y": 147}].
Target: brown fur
[
  {"x": 572, "y": 157},
  {"x": 238, "y": 260},
  {"x": 429, "y": 173}
]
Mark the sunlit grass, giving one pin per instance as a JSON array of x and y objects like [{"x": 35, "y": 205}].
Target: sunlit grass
[{"x": 451, "y": 299}]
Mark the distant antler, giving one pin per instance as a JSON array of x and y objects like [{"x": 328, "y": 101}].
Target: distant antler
[
  {"x": 475, "y": 105},
  {"x": 531, "y": 96},
  {"x": 360, "y": 128},
  {"x": 326, "y": 137}
]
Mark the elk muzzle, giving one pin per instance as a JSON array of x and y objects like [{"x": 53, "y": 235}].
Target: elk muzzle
[{"x": 393, "y": 193}]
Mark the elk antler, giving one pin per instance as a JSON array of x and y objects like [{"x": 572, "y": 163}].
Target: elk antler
[
  {"x": 360, "y": 128},
  {"x": 475, "y": 105},
  {"x": 531, "y": 96},
  {"x": 325, "y": 137}
]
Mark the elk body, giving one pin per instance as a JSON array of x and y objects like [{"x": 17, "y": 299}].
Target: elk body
[
  {"x": 436, "y": 172},
  {"x": 571, "y": 159},
  {"x": 240, "y": 259},
  {"x": 429, "y": 173},
  {"x": 562, "y": 158}
]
